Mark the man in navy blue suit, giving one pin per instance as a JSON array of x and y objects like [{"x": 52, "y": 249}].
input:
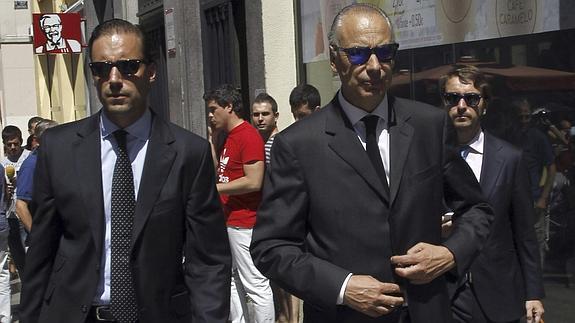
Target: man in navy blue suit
[{"x": 504, "y": 283}]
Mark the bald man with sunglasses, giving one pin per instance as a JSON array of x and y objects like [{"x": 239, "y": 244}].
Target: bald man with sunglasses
[
  {"x": 352, "y": 202},
  {"x": 128, "y": 225}
]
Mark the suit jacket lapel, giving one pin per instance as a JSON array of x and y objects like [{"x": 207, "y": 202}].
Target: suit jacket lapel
[
  {"x": 491, "y": 166},
  {"x": 345, "y": 144},
  {"x": 88, "y": 163},
  {"x": 400, "y": 135},
  {"x": 158, "y": 163}
]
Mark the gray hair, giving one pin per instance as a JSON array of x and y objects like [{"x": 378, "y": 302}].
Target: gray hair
[
  {"x": 42, "y": 126},
  {"x": 357, "y": 8}
]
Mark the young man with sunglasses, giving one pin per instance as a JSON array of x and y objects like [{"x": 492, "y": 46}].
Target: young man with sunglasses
[
  {"x": 504, "y": 283},
  {"x": 128, "y": 225},
  {"x": 354, "y": 194}
]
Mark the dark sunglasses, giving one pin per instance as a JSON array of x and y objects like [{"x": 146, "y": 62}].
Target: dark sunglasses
[
  {"x": 360, "y": 55},
  {"x": 471, "y": 99},
  {"x": 127, "y": 67}
]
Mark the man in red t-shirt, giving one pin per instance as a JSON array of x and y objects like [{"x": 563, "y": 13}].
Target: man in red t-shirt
[{"x": 240, "y": 173}]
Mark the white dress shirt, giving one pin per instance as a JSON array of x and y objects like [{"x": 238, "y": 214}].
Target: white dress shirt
[
  {"x": 475, "y": 156},
  {"x": 355, "y": 115},
  {"x": 137, "y": 145}
]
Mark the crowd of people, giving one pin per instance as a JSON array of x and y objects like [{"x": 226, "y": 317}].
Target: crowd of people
[
  {"x": 18, "y": 165},
  {"x": 372, "y": 208}
]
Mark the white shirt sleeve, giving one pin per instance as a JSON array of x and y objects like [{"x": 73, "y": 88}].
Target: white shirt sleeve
[{"x": 342, "y": 290}]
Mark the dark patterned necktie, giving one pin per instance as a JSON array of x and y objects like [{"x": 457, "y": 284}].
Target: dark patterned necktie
[
  {"x": 372, "y": 148},
  {"x": 123, "y": 298},
  {"x": 464, "y": 151}
]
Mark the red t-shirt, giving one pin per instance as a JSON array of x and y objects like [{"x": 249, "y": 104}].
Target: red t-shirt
[{"x": 244, "y": 145}]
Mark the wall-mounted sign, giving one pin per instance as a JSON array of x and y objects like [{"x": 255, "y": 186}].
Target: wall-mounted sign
[
  {"x": 21, "y": 4},
  {"x": 419, "y": 23},
  {"x": 170, "y": 32},
  {"x": 516, "y": 17},
  {"x": 57, "y": 33}
]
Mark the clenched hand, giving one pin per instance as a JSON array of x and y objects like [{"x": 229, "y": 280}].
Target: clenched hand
[
  {"x": 368, "y": 295},
  {"x": 423, "y": 263}
]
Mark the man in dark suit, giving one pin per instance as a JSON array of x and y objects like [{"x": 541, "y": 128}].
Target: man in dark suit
[
  {"x": 356, "y": 232},
  {"x": 113, "y": 245},
  {"x": 504, "y": 282}
]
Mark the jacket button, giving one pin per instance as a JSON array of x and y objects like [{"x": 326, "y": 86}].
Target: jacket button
[{"x": 84, "y": 308}]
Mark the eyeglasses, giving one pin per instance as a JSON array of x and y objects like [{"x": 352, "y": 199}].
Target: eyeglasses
[
  {"x": 127, "y": 67},
  {"x": 471, "y": 99},
  {"x": 49, "y": 27},
  {"x": 360, "y": 55}
]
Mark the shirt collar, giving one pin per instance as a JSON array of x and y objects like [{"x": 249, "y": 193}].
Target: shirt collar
[
  {"x": 476, "y": 144},
  {"x": 139, "y": 129},
  {"x": 354, "y": 114}
]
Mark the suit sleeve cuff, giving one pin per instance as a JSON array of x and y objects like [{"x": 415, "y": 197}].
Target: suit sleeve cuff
[{"x": 342, "y": 290}]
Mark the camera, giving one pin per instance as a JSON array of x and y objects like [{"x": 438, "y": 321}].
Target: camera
[{"x": 540, "y": 118}]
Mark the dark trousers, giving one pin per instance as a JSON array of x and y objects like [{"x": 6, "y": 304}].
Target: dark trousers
[
  {"x": 466, "y": 308},
  {"x": 17, "y": 250}
]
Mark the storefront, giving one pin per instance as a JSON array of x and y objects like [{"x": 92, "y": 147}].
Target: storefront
[{"x": 527, "y": 45}]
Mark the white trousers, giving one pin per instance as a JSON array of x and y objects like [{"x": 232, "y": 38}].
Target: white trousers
[
  {"x": 248, "y": 283},
  {"x": 5, "y": 296}
]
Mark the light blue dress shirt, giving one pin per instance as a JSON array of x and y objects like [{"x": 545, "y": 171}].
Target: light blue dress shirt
[{"x": 137, "y": 144}]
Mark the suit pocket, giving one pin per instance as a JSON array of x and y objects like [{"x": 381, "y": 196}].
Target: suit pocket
[{"x": 180, "y": 304}]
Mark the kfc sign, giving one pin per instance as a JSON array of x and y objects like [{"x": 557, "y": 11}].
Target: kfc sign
[{"x": 57, "y": 33}]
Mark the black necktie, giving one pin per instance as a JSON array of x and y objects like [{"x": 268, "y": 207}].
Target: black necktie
[
  {"x": 123, "y": 299},
  {"x": 373, "y": 149}
]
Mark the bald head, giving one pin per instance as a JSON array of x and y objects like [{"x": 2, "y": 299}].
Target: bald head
[{"x": 365, "y": 10}]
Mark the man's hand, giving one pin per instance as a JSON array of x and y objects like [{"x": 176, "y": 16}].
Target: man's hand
[
  {"x": 423, "y": 263},
  {"x": 541, "y": 203},
  {"x": 369, "y": 296},
  {"x": 10, "y": 188},
  {"x": 534, "y": 310}
]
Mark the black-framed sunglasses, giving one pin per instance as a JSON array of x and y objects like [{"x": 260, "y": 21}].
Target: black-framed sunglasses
[
  {"x": 471, "y": 99},
  {"x": 127, "y": 67},
  {"x": 360, "y": 55}
]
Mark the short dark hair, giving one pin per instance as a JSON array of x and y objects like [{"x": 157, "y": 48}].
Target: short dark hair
[
  {"x": 11, "y": 132},
  {"x": 264, "y": 97},
  {"x": 120, "y": 26},
  {"x": 34, "y": 120},
  {"x": 304, "y": 94},
  {"x": 225, "y": 94},
  {"x": 519, "y": 102},
  {"x": 468, "y": 74}
]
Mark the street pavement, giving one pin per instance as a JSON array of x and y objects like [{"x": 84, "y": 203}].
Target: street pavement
[{"x": 559, "y": 302}]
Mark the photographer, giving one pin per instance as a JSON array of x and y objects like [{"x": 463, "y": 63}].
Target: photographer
[
  {"x": 539, "y": 158},
  {"x": 540, "y": 117}
]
